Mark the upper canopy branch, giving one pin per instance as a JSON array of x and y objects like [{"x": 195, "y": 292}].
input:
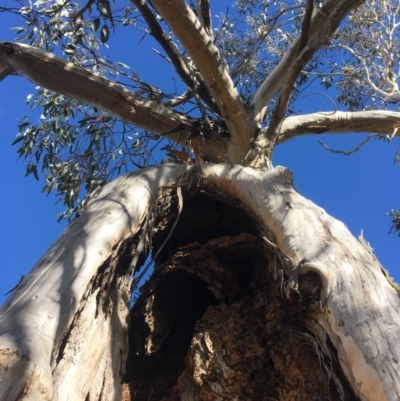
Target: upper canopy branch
[
  {"x": 379, "y": 121},
  {"x": 60, "y": 76},
  {"x": 305, "y": 52},
  {"x": 193, "y": 37},
  {"x": 63, "y": 77},
  {"x": 393, "y": 91},
  {"x": 190, "y": 77},
  {"x": 323, "y": 23}
]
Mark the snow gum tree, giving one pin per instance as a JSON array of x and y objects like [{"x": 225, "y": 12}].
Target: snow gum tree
[{"x": 257, "y": 293}]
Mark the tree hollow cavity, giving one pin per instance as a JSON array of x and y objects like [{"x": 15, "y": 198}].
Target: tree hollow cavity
[{"x": 208, "y": 324}]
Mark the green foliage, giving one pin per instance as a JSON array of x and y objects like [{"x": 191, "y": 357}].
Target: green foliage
[
  {"x": 370, "y": 50},
  {"x": 395, "y": 215},
  {"x": 253, "y": 37},
  {"x": 78, "y": 147}
]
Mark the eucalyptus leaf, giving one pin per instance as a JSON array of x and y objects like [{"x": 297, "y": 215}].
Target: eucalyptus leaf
[
  {"x": 18, "y": 139},
  {"x": 95, "y": 24},
  {"x": 103, "y": 10},
  {"x": 104, "y": 34}
]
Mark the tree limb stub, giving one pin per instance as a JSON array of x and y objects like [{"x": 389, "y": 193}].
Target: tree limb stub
[
  {"x": 190, "y": 32},
  {"x": 379, "y": 121}
]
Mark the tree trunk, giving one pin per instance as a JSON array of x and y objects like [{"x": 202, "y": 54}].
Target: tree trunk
[{"x": 257, "y": 294}]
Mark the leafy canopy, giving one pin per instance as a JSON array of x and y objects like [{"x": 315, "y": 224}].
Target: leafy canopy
[{"x": 79, "y": 147}]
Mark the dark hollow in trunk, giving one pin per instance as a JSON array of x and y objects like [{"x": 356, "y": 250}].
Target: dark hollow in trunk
[{"x": 210, "y": 323}]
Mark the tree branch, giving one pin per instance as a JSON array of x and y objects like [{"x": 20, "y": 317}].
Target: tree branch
[
  {"x": 63, "y": 77},
  {"x": 190, "y": 32},
  {"x": 305, "y": 52},
  {"x": 283, "y": 101},
  {"x": 305, "y": 25},
  {"x": 176, "y": 101},
  {"x": 394, "y": 92},
  {"x": 324, "y": 22},
  {"x": 204, "y": 14},
  {"x": 378, "y": 121},
  {"x": 189, "y": 76},
  {"x": 60, "y": 76},
  {"x": 349, "y": 152}
]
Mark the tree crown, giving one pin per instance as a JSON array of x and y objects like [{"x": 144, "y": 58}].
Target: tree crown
[{"x": 239, "y": 80}]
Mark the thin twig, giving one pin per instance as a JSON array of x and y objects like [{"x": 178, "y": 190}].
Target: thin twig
[{"x": 353, "y": 150}]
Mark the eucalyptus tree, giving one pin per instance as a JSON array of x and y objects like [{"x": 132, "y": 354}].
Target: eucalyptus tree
[{"x": 257, "y": 293}]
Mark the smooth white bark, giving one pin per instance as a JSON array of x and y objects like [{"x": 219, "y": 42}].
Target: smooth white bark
[
  {"x": 205, "y": 55},
  {"x": 378, "y": 121},
  {"x": 61, "y": 76},
  {"x": 324, "y": 22},
  {"x": 392, "y": 93},
  {"x": 36, "y": 315},
  {"x": 361, "y": 310}
]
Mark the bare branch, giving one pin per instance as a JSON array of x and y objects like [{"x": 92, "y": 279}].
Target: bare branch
[
  {"x": 179, "y": 99},
  {"x": 377, "y": 121},
  {"x": 350, "y": 152},
  {"x": 63, "y": 77},
  {"x": 190, "y": 32},
  {"x": 287, "y": 89},
  {"x": 190, "y": 77},
  {"x": 394, "y": 92},
  {"x": 324, "y": 22},
  {"x": 279, "y": 111},
  {"x": 305, "y": 26}
]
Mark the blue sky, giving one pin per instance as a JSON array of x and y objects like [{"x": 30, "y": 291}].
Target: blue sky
[{"x": 359, "y": 189}]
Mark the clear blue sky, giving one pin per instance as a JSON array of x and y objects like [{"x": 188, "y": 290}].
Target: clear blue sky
[{"x": 358, "y": 190}]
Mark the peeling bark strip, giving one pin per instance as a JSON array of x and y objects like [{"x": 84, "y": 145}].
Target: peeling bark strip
[{"x": 69, "y": 317}]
